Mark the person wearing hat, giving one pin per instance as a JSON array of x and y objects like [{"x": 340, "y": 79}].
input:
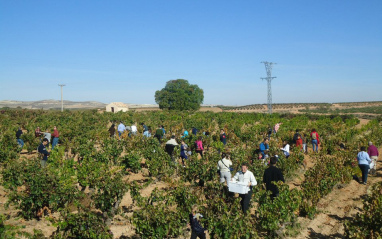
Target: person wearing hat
[
  {"x": 170, "y": 146},
  {"x": 373, "y": 153}
]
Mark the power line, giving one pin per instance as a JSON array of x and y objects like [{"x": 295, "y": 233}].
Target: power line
[
  {"x": 62, "y": 102},
  {"x": 269, "y": 78}
]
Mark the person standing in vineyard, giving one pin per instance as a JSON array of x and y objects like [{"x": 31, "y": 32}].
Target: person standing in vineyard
[
  {"x": 19, "y": 132},
  {"x": 295, "y": 136},
  {"x": 304, "y": 144},
  {"x": 121, "y": 129},
  {"x": 273, "y": 174},
  {"x": 134, "y": 130},
  {"x": 196, "y": 229},
  {"x": 170, "y": 146},
  {"x": 159, "y": 133},
  {"x": 55, "y": 137},
  {"x": 299, "y": 143},
  {"x": 276, "y": 128},
  {"x": 37, "y": 132},
  {"x": 245, "y": 176},
  {"x": 48, "y": 136},
  {"x": 147, "y": 133},
  {"x": 185, "y": 133},
  {"x": 164, "y": 131},
  {"x": 112, "y": 130},
  {"x": 264, "y": 146},
  {"x": 315, "y": 140},
  {"x": 145, "y": 128},
  {"x": 194, "y": 131},
  {"x": 199, "y": 146},
  {"x": 363, "y": 162},
  {"x": 373, "y": 153},
  {"x": 224, "y": 167},
  {"x": 43, "y": 152},
  {"x": 269, "y": 132},
  {"x": 285, "y": 149},
  {"x": 223, "y": 137},
  {"x": 183, "y": 152}
]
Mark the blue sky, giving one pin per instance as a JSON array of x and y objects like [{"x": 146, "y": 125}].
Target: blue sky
[{"x": 326, "y": 51}]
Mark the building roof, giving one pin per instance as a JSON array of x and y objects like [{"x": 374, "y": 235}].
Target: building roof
[{"x": 119, "y": 104}]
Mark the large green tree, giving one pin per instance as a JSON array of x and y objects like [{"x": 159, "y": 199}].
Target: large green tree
[{"x": 179, "y": 95}]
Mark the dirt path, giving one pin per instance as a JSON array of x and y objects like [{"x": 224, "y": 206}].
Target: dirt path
[{"x": 336, "y": 207}]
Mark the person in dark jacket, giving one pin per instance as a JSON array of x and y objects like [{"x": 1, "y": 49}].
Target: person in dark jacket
[
  {"x": 296, "y": 135},
  {"x": 145, "y": 128},
  {"x": 223, "y": 137},
  {"x": 43, "y": 152},
  {"x": 159, "y": 133},
  {"x": 112, "y": 130},
  {"x": 272, "y": 174},
  {"x": 19, "y": 132},
  {"x": 196, "y": 229}
]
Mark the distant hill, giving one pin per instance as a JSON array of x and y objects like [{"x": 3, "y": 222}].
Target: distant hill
[{"x": 52, "y": 104}]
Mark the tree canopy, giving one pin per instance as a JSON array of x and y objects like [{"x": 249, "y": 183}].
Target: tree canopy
[{"x": 179, "y": 95}]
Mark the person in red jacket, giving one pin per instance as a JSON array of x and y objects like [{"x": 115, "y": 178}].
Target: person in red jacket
[
  {"x": 315, "y": 140},
  {"x": 55, "y": 136},
  {"x": 299, "y": 142}
]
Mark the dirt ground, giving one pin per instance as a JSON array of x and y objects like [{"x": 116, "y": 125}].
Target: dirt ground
[{"x": 342, "y": 203}]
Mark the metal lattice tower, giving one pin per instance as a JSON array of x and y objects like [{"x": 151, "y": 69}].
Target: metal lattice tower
[{"x": 268, "y": 68}]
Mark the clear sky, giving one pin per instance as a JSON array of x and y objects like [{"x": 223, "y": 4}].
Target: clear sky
[{"x": 326, "y": 51}]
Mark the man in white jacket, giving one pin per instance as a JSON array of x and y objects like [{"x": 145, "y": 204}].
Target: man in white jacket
[{"x": 245, "y": 176}]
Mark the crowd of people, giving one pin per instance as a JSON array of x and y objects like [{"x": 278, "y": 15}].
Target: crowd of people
[{"x": 45, "y": 138}]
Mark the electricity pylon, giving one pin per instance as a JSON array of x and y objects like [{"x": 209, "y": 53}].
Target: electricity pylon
[{"x": 269, "y": 78}]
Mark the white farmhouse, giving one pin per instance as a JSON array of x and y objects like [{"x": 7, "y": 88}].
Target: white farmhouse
[{"x": 116, "y": 107}]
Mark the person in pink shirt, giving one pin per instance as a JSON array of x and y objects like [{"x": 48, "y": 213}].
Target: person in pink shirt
[
  {"x": 276, "y": 128},
  {"x": 373, "y": 153},
  {"x": 199, "y": 146}
]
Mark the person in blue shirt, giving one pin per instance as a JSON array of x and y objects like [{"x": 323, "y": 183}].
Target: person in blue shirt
[
  {"x": 185, "y": 133},
  {"x": 164, "y": 131},
  {"x": 194, "y": 131},
  {"x": 147, "y": 133},
  {"x": 145, "y": 128},
  {"x": 121, "y": 129},
  {"x": 364, "y": 162},
  {"x": 264, "y": 146}
]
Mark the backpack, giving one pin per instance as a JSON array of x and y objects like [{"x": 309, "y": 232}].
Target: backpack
[
  {"x": 295, "y": 137},
  {"x": 314, "y": 136}
]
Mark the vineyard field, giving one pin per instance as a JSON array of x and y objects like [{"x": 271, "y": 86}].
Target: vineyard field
[{"x": 97, "y": 186}]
